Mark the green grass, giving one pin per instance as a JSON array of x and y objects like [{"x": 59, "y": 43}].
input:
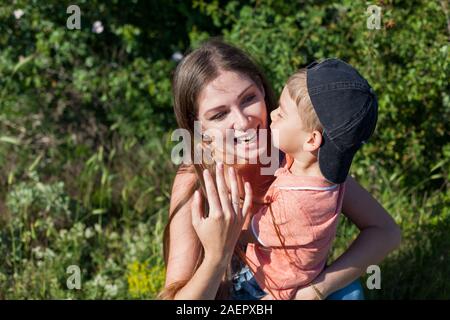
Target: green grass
[
  {"x": 104, "y": 213},
  {"x": 104, "y": 209},
  {"x": 420, "y": 267}
]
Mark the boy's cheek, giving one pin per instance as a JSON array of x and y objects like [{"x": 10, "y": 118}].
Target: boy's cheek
[
  {"x": 275, "y": 136},
  {"x": 283, "y": 145}
]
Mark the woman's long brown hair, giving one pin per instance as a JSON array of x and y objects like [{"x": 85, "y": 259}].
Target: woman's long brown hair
[{"x": 193, "y": 73}]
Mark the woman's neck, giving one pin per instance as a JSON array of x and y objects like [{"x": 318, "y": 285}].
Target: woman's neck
[{"x": 260, "y": 182}]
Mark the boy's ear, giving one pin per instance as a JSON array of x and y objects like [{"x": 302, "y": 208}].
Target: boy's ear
[{"x": 313, "y": 142}]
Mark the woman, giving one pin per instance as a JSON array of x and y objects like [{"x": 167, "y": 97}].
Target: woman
[{"x": 221, "y": 87}]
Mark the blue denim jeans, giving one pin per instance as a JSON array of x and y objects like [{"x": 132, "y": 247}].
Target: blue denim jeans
[{"x": 245, "y": 287}]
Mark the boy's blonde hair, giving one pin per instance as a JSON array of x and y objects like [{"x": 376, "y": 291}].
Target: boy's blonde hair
[{"x": 298, "y": 91}]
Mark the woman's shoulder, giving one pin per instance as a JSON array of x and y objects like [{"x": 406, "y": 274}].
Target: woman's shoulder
[{"x": 185, "y": 175}]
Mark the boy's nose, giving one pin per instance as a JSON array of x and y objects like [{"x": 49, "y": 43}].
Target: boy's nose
[{"x": 273, "y": 115}]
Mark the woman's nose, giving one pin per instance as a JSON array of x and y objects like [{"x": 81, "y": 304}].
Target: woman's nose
[{"x": 241, "y": 121}]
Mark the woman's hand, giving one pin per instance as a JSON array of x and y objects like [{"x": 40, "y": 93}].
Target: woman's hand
[{"x": 220, "y": 231}]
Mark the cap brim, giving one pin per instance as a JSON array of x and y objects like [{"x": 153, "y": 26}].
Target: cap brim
[{"x": 334, "y": 164}]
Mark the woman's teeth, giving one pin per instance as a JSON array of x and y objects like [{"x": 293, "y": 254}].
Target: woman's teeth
[{"x": 245, "y": 139}]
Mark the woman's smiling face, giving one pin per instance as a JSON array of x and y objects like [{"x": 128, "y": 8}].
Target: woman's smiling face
[{"x": 233, "y": 104}]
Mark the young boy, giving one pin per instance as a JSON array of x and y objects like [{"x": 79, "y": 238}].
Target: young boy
[{"x": 326, "y": 112}]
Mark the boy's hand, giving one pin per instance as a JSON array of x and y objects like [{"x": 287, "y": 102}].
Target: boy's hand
[{"x": 306, "y": 293}]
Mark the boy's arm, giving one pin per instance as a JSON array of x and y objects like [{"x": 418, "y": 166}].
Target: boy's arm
[{"x": 379, "y": 235}]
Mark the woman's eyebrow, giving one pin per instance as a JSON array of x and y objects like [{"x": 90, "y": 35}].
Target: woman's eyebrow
[
  {"x": 240, "y": 94},
  {"x": 223, "y": 106}
]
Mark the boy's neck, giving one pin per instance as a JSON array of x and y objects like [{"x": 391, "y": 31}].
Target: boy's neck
[{"x": 305, "y": 164}]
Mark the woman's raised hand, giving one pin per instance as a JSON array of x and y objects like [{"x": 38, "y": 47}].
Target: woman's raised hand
[{"x": 220, "y": 231}]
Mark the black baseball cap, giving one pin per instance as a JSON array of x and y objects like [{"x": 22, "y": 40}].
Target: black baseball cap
[{"x": 347, "y": 108}]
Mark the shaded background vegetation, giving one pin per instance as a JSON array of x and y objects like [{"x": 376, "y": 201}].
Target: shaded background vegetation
[{"x": 86, "y": 117}]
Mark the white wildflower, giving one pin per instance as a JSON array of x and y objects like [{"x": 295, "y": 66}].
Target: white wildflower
[
  {"x": 177, "y": 56},
  {"x": 99, "y": 280},
  {"x": 97, "y": 27},
  {"x": 38, "y": 254},
  {"x": 111, "y": 290},
  {"x": 18, "y": 13},
  {"x": 88, "y": 233},
  {"x": 98, "y": 228}
]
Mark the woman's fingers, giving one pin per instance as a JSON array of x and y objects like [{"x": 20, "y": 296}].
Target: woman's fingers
[
  {"x": 223, "y": 190},
  {"x": 213, "y": 199},
  {"x": 235, "y": 199},
  {"x": 248, "y": 200},
  {"x": 196, "y": 209}
]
